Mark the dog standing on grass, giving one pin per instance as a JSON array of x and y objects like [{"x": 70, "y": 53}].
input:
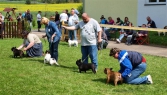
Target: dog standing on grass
[
  {"x": 113, "y": 76},
  {"x": 72, "y": 42},
  {"x": 17, "y": 52},
  {"x": 48, "y": 59},
  {"x": 85, "y": 67}
]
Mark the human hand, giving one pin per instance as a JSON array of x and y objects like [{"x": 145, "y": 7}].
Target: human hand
[
  {"x": 99, "y": 40},
  {"x": 43, "y": 36},
  {"x": 25, "y": 49},
  {"x": 63, "y": 26},
  {"x": 53, "y": 37}
]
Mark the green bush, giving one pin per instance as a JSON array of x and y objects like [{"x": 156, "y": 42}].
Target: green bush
[
  {"x": 27, "y": 26},
  {"x": 33, "y": 23},
  {"x": 28, "y": 1},
  {"x": 80, "y": 9}
]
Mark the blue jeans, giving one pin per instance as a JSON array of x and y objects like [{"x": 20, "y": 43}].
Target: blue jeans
[
  {"x": 54, "y": 49},
  {"x": 133, "y": 77},
  {"x": 121, "y": 36},
  {"x": 71, "y": 33},
  {"x": 92, "y": 52}
]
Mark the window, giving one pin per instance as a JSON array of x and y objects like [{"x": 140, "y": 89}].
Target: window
[
  {"x": 155, "y": 1},
  {"x": 152, "y": 0}
]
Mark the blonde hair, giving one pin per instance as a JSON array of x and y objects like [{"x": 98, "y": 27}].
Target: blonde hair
[
  {"x": 113, "y": 51},
  {"x": 44, "y": 20}
]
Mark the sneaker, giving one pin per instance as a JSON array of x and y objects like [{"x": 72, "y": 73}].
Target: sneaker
[
  {"x": 149, "y": 79},
  {"x": 118, "y": 40}
]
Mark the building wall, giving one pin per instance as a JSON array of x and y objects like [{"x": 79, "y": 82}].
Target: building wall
[
  {"x": 158, "y": 13},
  {"x": 113, "y": 8}
]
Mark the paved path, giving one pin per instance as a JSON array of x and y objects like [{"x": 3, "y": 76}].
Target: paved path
[{"x": 145, "y": 49}]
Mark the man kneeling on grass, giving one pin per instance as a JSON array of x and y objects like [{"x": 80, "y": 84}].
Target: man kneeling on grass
[{"x": 132, "y": 65}]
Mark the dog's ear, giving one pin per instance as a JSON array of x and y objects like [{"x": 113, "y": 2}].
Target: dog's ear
[
  {"x": 111, "y": 69},
  {"x": 105, "y": 70},
  {"x": 47, "y": 51}
]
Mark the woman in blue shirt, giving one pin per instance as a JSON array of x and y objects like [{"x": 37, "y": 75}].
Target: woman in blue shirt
[{"x": 53, "y": 35}]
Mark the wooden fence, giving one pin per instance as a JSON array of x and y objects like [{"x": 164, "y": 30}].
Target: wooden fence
[{"x": 11, "y": 29}]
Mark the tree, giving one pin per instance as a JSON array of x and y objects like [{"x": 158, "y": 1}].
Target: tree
[
  {"x": 80, "y": 9},
  {"x": 28, "y": 1}
]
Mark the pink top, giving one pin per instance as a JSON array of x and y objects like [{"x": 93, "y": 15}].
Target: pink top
[{"x": 111, "y": 22}]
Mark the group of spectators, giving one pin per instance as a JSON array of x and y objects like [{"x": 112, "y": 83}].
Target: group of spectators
[
  {"x": 68, "y": 18},
  {"x": 131, "y": 35}
]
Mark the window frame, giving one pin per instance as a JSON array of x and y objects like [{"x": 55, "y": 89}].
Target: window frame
[{"x": 157, "y": 3}]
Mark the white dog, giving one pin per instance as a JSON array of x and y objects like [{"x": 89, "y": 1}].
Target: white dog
[
  {"x": 48, "y": 59},
  {"x": 72, "y": 42}
]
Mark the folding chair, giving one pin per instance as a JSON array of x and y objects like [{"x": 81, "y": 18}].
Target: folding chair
[{"x": 142, "y": 40}]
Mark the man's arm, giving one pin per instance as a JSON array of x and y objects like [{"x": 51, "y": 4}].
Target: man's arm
[
  {"x": 99, "y": 36},
  {"x": 69, "y": 28}
]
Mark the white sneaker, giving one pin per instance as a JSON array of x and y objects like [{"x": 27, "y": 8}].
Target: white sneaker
[
  {"x": 118, "y": 40},
  {"x": 149, "y": 79}
]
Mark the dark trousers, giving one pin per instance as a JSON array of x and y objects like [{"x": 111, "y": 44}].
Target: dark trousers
[
  {"x": 54, "y": 49},
  {"x": 39, "y": 24}
]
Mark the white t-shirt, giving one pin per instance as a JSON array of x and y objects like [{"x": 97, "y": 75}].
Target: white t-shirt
[
  {"x": 38, "y": 17},
  {"x": 72, "y": 19},
  {"x": 2, "y": 17},
  {"x": 63, "y": 17},
  {"x": 89, "y": 32}
]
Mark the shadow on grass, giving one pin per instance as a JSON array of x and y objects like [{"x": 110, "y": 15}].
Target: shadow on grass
[
  {"x": 103, "y": 80},
  {"x": 64, "y": 43},
  {"x": 83, "y": 72},
  {"x": 67, "y": 67},
  {"x": 18, "y": 57}
]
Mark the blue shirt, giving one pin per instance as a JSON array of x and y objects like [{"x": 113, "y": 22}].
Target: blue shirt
[
  {"x": 125, "y": 63},
  {"x": 128, "y": 61},
  {"x": 51, "y": 29}
]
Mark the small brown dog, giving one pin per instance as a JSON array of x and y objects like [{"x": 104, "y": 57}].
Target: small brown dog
[{"x": 113, "y": 76}]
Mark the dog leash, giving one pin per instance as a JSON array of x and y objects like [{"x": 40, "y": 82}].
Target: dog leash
[{"x": 87, "y": 55}]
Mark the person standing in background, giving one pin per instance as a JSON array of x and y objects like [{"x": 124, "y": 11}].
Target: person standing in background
[
  {"x": 63, "y": 18},
  {"x": 57, "y": 20},
  {"x": 2, "y": 17},
  {"x": 29, "y": 17},
  {"x": 73, "y": 20},
  {"x": 19, "y": 17},
  {"x": 39, "y": 20}
]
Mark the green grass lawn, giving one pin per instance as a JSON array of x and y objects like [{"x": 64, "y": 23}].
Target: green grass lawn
[{"x": 29, "y": 76}]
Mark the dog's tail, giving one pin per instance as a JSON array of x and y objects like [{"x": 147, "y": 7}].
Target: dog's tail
[{"x": 56, "y": 63}]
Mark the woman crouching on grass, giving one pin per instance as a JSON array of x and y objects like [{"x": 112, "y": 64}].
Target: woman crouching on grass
[
  {"x": 132, "y": 65},
  {"x": 31, "y": 44},
  {"x": 53, "y": 35}
]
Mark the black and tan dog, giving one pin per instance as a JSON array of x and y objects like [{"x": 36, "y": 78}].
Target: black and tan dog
[
  {"x": 85, "y": 66},
  {"x": 17, "y": 52},
  {"x": 113, "y": 76}
]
